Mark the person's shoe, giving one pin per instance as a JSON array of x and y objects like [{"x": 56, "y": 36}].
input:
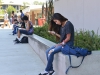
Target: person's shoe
[
  {"x": 44, "y": 73},
  {"x": 52, "y": 72},
  {"x": 16, "y": 39}
]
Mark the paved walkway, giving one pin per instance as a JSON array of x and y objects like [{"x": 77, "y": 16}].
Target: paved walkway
[{"x": 17, "y": 59}]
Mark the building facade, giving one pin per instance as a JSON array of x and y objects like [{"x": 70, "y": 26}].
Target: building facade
[
  {"x": 84, "y": 14},
  {"x": 15, "y": 5}
]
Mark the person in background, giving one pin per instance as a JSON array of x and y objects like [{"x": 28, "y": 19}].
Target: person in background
[
  {"x": 15, "y": 26},
  {"x": 11, "y": 20},
  {"x": 64, "y": 29},
  {"x": 6, "y": 20},
  {"x": 14, "y": 16},
  {"x": 21, "y": 23},
  {"x": 22, "y": 14},
  {"x": 18, "y": 24},
  {"x": 28, "y": 30}
]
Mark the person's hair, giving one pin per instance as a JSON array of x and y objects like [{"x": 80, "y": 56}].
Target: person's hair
[
  {"x": 53, "y": 26},
  {"x": 12, "y": 12},
  {"x": 20, "y": 10},
  {"x": 58, "y": 16},
  {"x": 25, "y": 18}
]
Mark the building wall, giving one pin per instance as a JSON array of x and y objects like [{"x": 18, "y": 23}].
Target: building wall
[
  {"x": 84, "y": 14},
  {"x": 17, "y": 7}
]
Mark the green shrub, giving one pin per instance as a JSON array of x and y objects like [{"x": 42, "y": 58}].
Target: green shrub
[
  {"x": 84, "y": 39},
  {"x": 87, "y": 39},
  {"x": 43, "y": 32}
]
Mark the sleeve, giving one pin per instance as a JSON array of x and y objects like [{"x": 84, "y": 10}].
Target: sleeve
[{"x": 68, "y": 28}]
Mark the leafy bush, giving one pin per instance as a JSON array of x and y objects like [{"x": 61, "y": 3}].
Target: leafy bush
[
  {"x": 10, "y": 9},
  {"x": 87, "y": 39},
  {"x": 84, "y": 39},
  {"x": 1, "y": 12},
  {"x": 43, "y": 32}
]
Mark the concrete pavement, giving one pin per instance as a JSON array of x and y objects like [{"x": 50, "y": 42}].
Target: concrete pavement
[{"x": 17, "y": 59}]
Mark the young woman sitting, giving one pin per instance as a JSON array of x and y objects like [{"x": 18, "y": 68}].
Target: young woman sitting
[
  {"x": 64, "y": 29},
  {"x": 28, "y": 30}
]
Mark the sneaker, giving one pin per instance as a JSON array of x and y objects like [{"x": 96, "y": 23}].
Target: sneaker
[
  {"x": 52, "y": 72},
  {"x": 44, "y": 73},
  {"x": 16, "y": 39}
]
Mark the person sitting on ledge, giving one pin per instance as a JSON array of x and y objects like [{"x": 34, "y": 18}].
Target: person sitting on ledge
[
  {"x": 64, "y": 29},
  {"x": 28, "y": 30}
]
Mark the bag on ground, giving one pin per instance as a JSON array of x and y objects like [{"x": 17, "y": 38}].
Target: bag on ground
[{"x": 24, "y": 39}]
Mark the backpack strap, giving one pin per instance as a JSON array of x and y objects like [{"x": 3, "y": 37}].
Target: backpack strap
[{"x": 71, "y": 64}]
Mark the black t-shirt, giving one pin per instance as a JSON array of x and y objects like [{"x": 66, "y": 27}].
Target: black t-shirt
[
  {"x": 68, "y": 28},
  {"x": 23, "y": 25}
]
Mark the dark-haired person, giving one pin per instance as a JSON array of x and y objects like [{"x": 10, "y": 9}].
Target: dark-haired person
[
  {"x": 14, "y": 16},
  {"x": 18, "y": 24},
  {"x": 64, "y": 29},
  {"x": 22, "y": 23},
  {"x": 15, "y": 26},
  {"x": 22, "y": 14},
  {"x": 28, "y": 30}
]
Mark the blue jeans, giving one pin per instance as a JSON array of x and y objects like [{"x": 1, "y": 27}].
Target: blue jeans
[
  {"x": 25, "y": 32},
  {"x": 49, "y": 66},
  {"x": 15, "y": 29},
  {"x": 57, "y": 49}
]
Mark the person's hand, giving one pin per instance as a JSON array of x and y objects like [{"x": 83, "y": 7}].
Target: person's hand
[
  {"x": 52, "y": 32},
  {"x": 63, "y": 43},
  {"x": 58, "y": 45}
]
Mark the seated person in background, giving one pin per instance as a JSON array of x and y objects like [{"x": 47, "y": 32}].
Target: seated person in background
[
  {"x": 15, "y": 26},
  {"x": 28, "y": 30},
  {"x": 20, "y": 24}
]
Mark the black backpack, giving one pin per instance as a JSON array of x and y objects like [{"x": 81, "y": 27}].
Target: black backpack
[{"x": 24, "y": 39}]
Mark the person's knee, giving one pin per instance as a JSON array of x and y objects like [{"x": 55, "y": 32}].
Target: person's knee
[
  {"x": 47, "y": 51},
  {"x": 53, "y": 52}
]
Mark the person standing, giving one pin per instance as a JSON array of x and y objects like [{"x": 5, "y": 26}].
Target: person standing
[
  {"x": 14, "y": 16},
  {"x": 22, "y": 14},
  {"x": 6, "y": 20}
]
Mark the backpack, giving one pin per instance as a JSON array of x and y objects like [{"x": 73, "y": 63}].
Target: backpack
[
  {"x": 76, "y": 51},
  {"x": 24, "y": 39}
]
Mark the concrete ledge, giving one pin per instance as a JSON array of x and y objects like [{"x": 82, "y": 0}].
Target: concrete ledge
[{"x": 90, "y": 65}]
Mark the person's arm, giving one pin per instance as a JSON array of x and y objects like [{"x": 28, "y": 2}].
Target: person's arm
[
  {"x": 54, "y": 33},
  {"x": 68, "y": 34},
  {"x": 28, "y": 26},
  {"x": 57, "y": 35},
  {"x": 67, "y": 39}
]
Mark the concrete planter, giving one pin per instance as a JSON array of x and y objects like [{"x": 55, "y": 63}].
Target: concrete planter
[{"x": 90, "y": 65}]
